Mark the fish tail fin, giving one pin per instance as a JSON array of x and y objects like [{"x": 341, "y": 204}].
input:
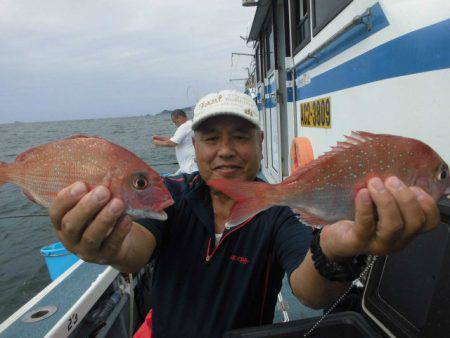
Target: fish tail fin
[
  {"x": 3, "y": 176},
  {"x": 250, "y": 198}
]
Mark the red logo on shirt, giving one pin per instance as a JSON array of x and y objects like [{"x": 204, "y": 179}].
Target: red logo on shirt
[{"x": 242, "y": 260}]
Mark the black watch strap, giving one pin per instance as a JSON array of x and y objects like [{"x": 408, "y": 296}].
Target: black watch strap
[{"x": 333, "y": 271}]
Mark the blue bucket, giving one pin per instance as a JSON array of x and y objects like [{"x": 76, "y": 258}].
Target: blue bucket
[{"x": 58, "y": 259}]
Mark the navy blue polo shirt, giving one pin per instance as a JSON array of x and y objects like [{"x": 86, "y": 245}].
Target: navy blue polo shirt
[{"x": 203, "y": 290}]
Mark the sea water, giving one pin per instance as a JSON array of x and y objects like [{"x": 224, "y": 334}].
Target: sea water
[{"x": 23, "y": 272}]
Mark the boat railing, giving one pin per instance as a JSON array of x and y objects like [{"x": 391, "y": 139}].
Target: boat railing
[{"x": 364, "y": 18}]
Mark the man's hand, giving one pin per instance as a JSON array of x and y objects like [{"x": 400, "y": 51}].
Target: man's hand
[
  {"x": 402, "y": 213},
  {"x": 91, "y": 224},
  {"x": 388, "y": 215},
  {"x": 161, "y": 141},
  {"x": 159, "y": 138}
]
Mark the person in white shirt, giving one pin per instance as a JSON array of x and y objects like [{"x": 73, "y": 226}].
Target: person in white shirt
[{"x": 182, "y": 141}]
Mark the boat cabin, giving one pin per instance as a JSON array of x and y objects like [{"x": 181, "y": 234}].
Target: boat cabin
[{"x": 324, "y": 68}]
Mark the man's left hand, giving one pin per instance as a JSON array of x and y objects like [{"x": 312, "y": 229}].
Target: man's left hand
[{"x": 402, "y": 211}]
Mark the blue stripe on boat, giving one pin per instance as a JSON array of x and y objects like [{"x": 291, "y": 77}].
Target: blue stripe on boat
[
  {"x": 348, "y": 39},
  {"x": 422, "y": 50}
]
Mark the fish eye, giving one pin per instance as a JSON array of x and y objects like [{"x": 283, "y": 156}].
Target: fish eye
[
  {"x": 140, "y": 183},
  {"x": 442, "y": 173}
]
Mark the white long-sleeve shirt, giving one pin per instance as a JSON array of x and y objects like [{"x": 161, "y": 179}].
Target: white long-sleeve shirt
[{"x": 184, "y": 150}]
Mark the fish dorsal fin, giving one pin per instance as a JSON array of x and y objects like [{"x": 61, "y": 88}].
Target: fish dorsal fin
[
  {"x": 80, "y": 135},
  {"x": 21, "y": 157},
  {"x": 355, "y": 139}
]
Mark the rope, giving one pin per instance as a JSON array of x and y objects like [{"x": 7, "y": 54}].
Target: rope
[
  {"x": 24, "y": 216},
  {"x": 131, "y": 327},
  {"x": 361, "y": 276},
  {"x": 159, "y": 164}
]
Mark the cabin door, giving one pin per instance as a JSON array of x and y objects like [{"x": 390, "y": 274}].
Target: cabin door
[{"x": 271, "y": 118}]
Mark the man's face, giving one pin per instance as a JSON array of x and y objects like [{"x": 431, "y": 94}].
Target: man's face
[
  {"x": 228, "y": 147},
  {"x": 175, "y": 119},
  {"x": 178, "y": 120}
]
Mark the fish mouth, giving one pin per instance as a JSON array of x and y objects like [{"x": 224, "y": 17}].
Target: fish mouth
[
  {"x": 447, "y": 191},
  {"x": 158, "y": 215}
]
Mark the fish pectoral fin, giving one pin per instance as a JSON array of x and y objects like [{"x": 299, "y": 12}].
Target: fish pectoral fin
[
  {"x": 309, "y": 219},
  {"x": 447, "y": 191},
  {"x": 79, "y": 135},
  {"x": 28, "y": 195},
  {"x": 107, "y": 179}
]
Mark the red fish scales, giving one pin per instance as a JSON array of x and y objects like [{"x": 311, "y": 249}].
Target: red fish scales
[
  {"x": 324, "y": 190},
  {"x": 44, "y": 170}
]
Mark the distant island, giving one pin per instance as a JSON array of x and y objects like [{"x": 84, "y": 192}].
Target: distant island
[{"x": 188, "y": 110}]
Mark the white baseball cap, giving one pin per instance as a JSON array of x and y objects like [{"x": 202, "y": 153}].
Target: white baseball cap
[{"x": 226, "y": 102}]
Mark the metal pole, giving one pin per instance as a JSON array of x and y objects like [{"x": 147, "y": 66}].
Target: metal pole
[
  {"x": 245, "y": 54},
  {"x": 294, "y": 90}
]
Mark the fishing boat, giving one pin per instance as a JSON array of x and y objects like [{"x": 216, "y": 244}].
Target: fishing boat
[
  {"x": 324, "y": 68},
  {"x": 321, "y": 68}
]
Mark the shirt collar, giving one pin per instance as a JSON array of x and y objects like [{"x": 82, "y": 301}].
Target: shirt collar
[{"x": 199, "y": 199}]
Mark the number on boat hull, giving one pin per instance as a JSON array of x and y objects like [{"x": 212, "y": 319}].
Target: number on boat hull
[
  {"x": 316, "y": 113},
  {"x": 73, "y": 319}
]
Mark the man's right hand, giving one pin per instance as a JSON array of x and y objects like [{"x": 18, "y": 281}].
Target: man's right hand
[
  {"x": 91, "y": 224},
  {"x": 159, "y": 138}
]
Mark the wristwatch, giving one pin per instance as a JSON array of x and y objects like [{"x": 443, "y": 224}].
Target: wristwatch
[{"x": 334, "y": 271}]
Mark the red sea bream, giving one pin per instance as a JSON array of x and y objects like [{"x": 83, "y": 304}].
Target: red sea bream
[
  {"x": 324, "y": 190},
  {"x": 44, "y": 170}
]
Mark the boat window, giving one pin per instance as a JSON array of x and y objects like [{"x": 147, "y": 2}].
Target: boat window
[
  {"x": 326, "y": 10},
  {"x": 269, "y": 51},
  {"x": 258, "y": 63},
  {"x": 262, "y": 57},
  {"x": 266, "y": 54},
  {"x": 300, "y": 21}
]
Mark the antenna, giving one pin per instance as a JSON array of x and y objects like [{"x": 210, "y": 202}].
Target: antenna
[
  {"x": 245, "y": 54},
  {"x": 248, "y": 3},
  {"x": 191, "y": 90}
]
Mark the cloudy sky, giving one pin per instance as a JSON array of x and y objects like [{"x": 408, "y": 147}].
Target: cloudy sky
[{"x": 74, "y": 59}]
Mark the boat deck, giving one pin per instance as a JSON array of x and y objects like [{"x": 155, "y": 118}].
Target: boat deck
[{"x": 82, "y": 284}]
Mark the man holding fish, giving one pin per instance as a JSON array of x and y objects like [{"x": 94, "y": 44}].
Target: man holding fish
[{"x": 220, "y": 263}]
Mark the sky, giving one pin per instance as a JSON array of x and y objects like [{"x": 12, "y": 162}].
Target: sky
[{"x": 79, "y": 59}]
